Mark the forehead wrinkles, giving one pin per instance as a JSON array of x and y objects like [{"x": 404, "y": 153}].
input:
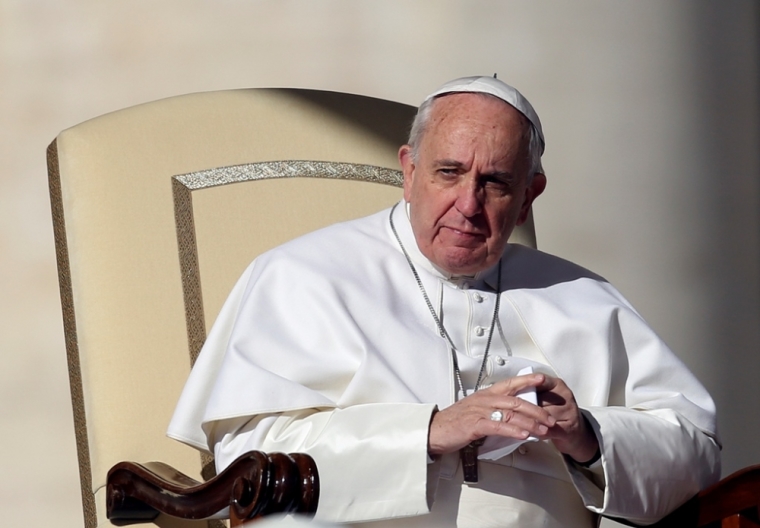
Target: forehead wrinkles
[{"x": 469, "y": 125}]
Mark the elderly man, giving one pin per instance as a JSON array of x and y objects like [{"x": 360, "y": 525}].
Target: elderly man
[{"x": 442, "y": 377}]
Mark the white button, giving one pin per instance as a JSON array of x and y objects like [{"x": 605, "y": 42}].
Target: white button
[
  {"x": 465, "y": 285},
  {"x": 479, "y": 331},
  {"x": 499, "y": 361},
  {"x": 478, "y": 298},
  {"x": 522, "y": 449}
]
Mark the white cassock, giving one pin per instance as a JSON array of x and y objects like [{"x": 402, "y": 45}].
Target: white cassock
[{"x": 326, "y": 346}]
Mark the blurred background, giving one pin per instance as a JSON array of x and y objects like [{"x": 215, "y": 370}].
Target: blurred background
[{"x": 651, "y": 114}]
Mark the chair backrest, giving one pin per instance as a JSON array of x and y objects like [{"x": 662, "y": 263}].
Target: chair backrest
[{"x": 146, "y": 259}]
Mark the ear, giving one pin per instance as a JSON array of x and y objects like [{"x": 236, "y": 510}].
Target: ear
[
  {"x": 534, "y": 190},
  {"x": 407, "y": 167}
]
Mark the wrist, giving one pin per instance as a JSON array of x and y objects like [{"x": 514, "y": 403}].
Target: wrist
[
  {"x": 591, "y": 461},
  {"x": 432, "y": 450},
  {"x": 584, "y": 447}
]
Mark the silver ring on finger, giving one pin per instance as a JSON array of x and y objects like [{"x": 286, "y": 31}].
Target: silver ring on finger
[{"x": 497, "y": 416}]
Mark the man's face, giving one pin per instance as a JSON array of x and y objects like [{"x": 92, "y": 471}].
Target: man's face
[{"x": 468, "y": 189}]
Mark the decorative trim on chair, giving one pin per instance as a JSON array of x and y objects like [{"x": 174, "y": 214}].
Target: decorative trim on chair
[
  {"x": 188, "y": 262},
  {"x": 70, "y": 332},
  {"x": 290, "y": 169}
]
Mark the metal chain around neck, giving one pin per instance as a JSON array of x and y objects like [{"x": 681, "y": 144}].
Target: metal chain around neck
[{"x": 439, "y": 323}]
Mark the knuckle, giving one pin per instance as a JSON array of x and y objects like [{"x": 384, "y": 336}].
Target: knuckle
[{"x": 513, "y": 403}]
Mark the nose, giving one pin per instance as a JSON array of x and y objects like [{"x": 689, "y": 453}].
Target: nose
[{"x": 469, "y": 198}]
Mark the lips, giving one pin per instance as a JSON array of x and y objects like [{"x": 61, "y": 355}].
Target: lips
[
  {"x": 467, "y": 232},
  {"x": 460, "y": 237}
]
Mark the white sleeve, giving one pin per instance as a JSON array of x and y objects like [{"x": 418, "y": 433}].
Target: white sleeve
[
  {"x": 372, "y": 458},
  {"x": 652, "y": 462}
]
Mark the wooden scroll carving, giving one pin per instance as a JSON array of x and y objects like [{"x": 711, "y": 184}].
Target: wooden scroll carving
[{"x": 254, "y": 485}]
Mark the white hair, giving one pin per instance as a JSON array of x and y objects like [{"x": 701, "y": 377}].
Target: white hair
[{"x": 419, "y": 126}]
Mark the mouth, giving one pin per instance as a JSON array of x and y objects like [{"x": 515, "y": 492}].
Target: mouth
[
  {"x": 463, "y": 235},
  {"x": 464, "y": 232}
]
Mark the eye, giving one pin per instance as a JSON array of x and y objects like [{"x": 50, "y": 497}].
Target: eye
[
  {"x": 497, "y": 183},
  {"x": 495, "y": 180},
  {"x": 448, "y": 172}
]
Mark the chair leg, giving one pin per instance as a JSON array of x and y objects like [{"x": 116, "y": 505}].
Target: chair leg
[
  {"x": 738, "y": 521},
  {"x": 235, "y": 520}
]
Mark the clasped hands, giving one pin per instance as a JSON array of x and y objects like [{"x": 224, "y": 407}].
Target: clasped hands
[{"x": 556, "y": 418}]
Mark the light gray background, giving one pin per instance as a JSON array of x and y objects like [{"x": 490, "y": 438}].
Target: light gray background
[{"x": 652, "y": 121}]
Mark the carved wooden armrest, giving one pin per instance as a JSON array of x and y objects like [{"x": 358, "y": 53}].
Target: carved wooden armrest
[
  {"x": 254, "y": 485},
  {"x": 734, "y": 502}
]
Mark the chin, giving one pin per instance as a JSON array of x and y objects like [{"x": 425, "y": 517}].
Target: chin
[{"x": 464, "y": 266}]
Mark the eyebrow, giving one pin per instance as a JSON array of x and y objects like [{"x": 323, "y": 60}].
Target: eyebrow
[{"x": 447, "y": 163}]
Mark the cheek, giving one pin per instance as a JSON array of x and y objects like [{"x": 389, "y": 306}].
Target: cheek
[
  {"x": 424, "y": 221},
  {"x": 503, "y": 217},
  {"x": 443, "y": 212}
]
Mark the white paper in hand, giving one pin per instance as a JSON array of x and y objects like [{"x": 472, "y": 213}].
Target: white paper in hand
[{"x": 496, "y": 447}]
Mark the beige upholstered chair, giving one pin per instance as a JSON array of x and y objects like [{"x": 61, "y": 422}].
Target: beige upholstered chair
[{"x": 146, "y": 257}]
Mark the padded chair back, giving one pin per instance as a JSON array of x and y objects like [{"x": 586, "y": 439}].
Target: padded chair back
[{"x": 146, "y": 259}]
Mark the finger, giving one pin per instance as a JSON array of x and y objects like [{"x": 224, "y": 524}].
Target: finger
[
  {"x": 554, "y": 391},
  {"x": 547, "y": 399},
  {"x": 550, "y": 383},
  {"x": 514, "y": 425},
  {"x": 526, "y": 425},
  {"x": 513, "y": 405},
  {"x": 517, "y": 384}
]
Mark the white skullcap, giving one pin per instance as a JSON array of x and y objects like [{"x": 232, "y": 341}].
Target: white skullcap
[{"x": 497, "y": 88}]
